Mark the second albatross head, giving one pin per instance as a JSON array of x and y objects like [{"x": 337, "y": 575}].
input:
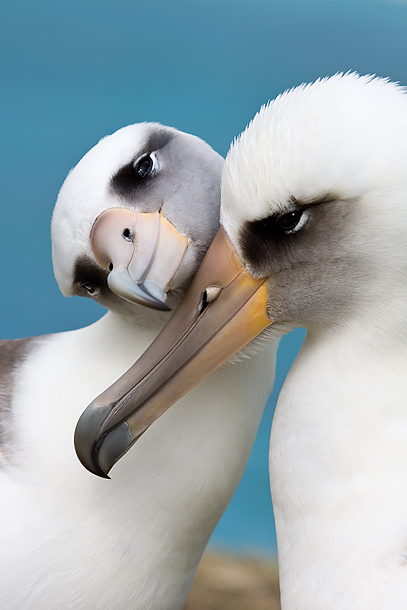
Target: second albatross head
[
  {"x": 134, "y": 218},
  {"x": 313, "y": 200}
]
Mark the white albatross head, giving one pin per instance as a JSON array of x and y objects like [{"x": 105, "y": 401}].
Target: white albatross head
[
  {"x": 314, "y": 198},
  {"x": 134, "y": 218}
]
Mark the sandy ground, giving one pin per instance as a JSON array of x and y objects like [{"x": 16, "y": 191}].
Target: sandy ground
[{"x": 234, "y": 583}]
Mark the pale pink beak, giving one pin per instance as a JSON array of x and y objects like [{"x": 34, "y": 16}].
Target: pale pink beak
[{"x": 141, "y": 251}]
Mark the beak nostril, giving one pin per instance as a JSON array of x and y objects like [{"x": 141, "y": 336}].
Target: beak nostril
[
  {"x": 210, "y": 294},
  {"x": 127, "y": 234},
  {"x": 204, "y": 302}
]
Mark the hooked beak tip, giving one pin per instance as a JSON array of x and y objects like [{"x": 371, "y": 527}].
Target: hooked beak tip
[
  {"x": 86, "y": 439},
  {"x": 121, "y": 284},
  {"x": 112, "y": 446},
  {"x": 97, "y": 452}
]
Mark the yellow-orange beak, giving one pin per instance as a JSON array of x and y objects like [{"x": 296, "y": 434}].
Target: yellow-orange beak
[{"x": 223, "y": 310}]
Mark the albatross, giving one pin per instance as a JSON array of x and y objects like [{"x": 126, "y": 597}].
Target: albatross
[
  {"x": 131, "y": 224},
  {"x": 314, "y": 234}
]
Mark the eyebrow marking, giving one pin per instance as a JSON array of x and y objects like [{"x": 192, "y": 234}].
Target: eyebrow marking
[
  {"x": 157, "y": 139},
  {"x": 327, "y": 197}
]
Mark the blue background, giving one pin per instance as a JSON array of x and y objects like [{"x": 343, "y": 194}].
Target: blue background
[{"x": 72, "y": 72}]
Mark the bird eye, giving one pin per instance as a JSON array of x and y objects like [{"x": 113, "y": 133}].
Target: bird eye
[
  {"x": 294, "y": 221},
  {"x": 90, "y": 288},
  {"x": 144, "y": 166}
]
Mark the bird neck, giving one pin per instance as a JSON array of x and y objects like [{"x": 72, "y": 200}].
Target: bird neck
[
  {"x": 166, "y": 495},
  {"x": 338, "y": 467},
  {"x": 138, "y": 322}
]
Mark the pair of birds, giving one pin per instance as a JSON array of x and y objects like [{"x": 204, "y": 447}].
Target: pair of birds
[{"x": 314, "y": 233}]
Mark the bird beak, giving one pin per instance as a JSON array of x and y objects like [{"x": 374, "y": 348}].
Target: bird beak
[
  {"x": 141, "y": 251},
  {"x": 222, "y": 311}
]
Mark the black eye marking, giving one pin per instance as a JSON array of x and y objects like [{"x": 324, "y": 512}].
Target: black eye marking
[
  {"x": 88, "y": 277},
  {"x": 258, "y": 238},
  {"x": 261, "y": 240},
  {"x": 276, "y": 227},
  {"x": 138, "y": 174},
  {"x": 144, "y": 166}
]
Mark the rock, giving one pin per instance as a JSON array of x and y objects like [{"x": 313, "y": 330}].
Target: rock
[{"x": 227, "y": 582}]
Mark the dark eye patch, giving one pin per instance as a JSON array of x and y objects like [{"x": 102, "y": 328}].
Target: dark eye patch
[
  {"x": 135, "y": 176},
  {"x": 88, "y": 277},
  {"x": 256, "y": 236},
  {"x": 259, "y": 239}
]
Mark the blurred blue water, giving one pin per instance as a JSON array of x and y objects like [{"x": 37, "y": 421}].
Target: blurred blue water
[{"x": 74, "y": 72}]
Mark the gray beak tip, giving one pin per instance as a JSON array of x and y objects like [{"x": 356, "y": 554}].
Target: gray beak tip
[
  {"x": 160, "y": 305},
  {"x": 88, "y": 443},
  {"x": 120, "y": 282},
  {"x": 113, "y": 446}
]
